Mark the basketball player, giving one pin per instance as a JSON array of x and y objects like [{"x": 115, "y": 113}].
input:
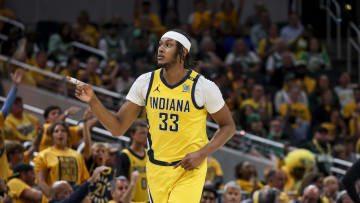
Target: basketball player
[{"x": 176, "y": 100}]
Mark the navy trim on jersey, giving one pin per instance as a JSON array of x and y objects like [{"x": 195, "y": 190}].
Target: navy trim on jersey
[
  {"x": 149, "y": 88},
  {"x": 150, "y": 197},
  {"x": 153, "y": 160},
  {"x": 193, "y": 92},
  {"x": 177, "y": 84}
]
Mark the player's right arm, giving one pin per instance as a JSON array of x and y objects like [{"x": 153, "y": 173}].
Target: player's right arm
[{"x": 118, "y": 123}]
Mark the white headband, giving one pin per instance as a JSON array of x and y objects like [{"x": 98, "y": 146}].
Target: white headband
[{"x": 178, "y": 37}]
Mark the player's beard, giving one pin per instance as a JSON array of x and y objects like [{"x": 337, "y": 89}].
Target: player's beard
[{"x": 169, "y": 64}]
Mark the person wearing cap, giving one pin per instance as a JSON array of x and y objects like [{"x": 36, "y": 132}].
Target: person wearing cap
[
  {"x": 176, "y": 100},
  {"x": 5, "y": 171},
  {"x": 256, "y": 125},
  {"x": 20, "y": 184}
]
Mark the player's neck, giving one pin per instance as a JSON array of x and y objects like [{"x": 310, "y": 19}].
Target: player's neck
[
  {"x": 137, "y": 148},
  {"x": 175, "y": 73}
]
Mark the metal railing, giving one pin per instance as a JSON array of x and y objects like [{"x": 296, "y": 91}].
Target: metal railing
[
  {"x": 57, "y": 76},
  {"x": 70, "y": 121},
  {"x": 353, "y": 44},
  {"x": 336, "y": 18},
  {"x": 266, "y": 147},
  {"x": 12, "y": 22}
]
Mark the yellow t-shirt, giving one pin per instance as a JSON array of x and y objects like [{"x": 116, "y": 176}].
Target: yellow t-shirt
[
  {"x": 308, "y": 83},
  {"x": 352, "y": 126},
  {"x": 349, "y": 109},
  {"x": 90, "y": 35},
  {"x": 139, "y": 164},
  {"x": 16, "y": 187},
  {"x": 213, "y": 169},
  {"x": 264, "y": 43},
  {"x": 35, "y": 75},
  {"x": 66, "y": 165},
  {"x": 23, "y": 130},
  {"x": 358, "y": 146},
  {"x": 201, "y": 21},
  {"x": 155, "y": 23},
  {"x": 299, "y": 110},
  {"x": 229, "y": 20},
  {"x": 250, "y": 186},
  {"x": 5, "y": 171},
  {"x": 46, "y": 140},
  {"x": 256, "y": 105}
]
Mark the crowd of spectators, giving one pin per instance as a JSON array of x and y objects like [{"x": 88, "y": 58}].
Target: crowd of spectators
[{"x": 277, "y": 79}]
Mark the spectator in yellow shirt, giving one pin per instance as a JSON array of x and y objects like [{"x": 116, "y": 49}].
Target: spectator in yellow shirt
[
  {"x": 200, "y": 19},
  {"x": 20, "y": 184},
  {"x": 214, "y": 172},
  {"x": 295, "y": 108},
  {"x": 53, "y": 114},
  {"x": 16, "y": 153},
  {"x": 5, "y": 171},
  {"x": 90, "y": 75},
  {"x": 259, "y": 102},
  {"x": 226, "y": 19},
  {"x": 246, "y": 176},
  {"x": 39, "y": 62},
  {"x": 7, "y": 12},
  {"x": 59, "y": 162},
  {"x": 24, "y": 125},
  {"x": 350, "y": 107},
  {"x": 142, "y": 13},
  {"x": 88, "y": 33}
]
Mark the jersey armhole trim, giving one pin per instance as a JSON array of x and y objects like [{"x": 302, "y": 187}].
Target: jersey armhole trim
[
  {"x": 193, "y": 92},
  {"x": 149, "y": 88}
]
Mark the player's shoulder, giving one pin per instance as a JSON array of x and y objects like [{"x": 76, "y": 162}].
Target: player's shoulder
[{"x": 144, "y": 76}]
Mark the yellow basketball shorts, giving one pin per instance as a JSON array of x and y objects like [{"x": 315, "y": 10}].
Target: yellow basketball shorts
[{"x": 169, "y": 185}]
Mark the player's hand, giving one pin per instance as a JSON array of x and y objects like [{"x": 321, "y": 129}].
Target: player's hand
[
  {"x": 191, "y": 161},
  {"x": 84, "y": 92},
  {"x": 17, "y": 76}
]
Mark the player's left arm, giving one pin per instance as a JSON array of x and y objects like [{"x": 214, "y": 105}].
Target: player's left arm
[
  {"x": 226, "y": 130},
  {"x": 215, "y": 105}
]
